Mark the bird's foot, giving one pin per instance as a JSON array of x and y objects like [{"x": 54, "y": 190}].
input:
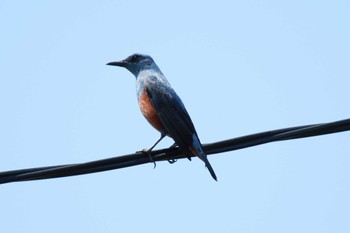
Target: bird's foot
[
  {"x": 148, "y": 152},
  {"x": 171, "y": 161}
]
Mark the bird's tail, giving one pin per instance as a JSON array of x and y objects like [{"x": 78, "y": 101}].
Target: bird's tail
[
  {"x": 210, "y": 168},
  {"x": 199, "y": 152}
]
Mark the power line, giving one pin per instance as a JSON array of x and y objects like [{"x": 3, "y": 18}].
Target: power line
[{"x": 139, "y": 158}]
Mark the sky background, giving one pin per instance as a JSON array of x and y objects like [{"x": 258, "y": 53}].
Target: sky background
[{"x": 240, "y": 67}]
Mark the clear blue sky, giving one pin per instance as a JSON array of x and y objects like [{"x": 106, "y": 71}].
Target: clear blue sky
[{"x": 240, "y": 68}]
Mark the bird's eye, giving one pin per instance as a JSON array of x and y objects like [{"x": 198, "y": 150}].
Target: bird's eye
[{"x": 135, "y": 58}]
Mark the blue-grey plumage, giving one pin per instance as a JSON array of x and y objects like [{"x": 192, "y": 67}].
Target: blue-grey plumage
[{"x": 162, "y": 107}]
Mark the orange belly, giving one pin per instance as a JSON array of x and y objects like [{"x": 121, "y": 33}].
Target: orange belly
[{"x": 149, "y": 113}]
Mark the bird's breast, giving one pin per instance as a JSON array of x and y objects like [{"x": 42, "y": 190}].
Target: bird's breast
[{"x": 149, "y": 112}]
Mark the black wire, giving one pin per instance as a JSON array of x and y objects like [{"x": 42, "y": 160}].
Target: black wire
[{"x": 173, "y": 153}]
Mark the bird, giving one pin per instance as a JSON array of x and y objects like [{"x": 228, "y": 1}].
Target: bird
[{"x": 162, "y": 107}]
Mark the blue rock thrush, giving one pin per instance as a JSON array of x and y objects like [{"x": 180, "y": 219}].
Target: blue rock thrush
[{"x": 162, "y": 107}]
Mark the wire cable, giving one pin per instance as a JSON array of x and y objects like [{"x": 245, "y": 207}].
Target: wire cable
[{"x": 173, "y": 153}]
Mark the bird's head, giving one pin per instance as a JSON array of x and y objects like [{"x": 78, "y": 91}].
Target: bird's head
[{"x": 135, "y": 63}]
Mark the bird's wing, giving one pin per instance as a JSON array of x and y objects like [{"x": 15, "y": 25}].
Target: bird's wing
[
  {"x": 176, "y": 121},
  {"x": 172, "y": 114}
]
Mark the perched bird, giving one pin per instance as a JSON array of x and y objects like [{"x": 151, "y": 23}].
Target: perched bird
[{"x": 162, "y": 107}]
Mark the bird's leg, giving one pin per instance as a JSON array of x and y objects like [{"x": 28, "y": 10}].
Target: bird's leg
[
  {"x": 162, "y": 135},
  {"x": 148, "y": 151},
  {"x": 171, "y": 161}
]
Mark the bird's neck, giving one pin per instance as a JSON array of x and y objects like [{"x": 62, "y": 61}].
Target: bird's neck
[{"x": 152, "y": 70}]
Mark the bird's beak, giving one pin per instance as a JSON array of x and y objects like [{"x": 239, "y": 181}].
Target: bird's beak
[{"x": 117, "y": 63}]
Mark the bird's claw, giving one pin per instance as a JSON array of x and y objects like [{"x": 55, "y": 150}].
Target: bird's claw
[
  {"x": 148, "y": 152},
  {"x": 171, "y": 161}
]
